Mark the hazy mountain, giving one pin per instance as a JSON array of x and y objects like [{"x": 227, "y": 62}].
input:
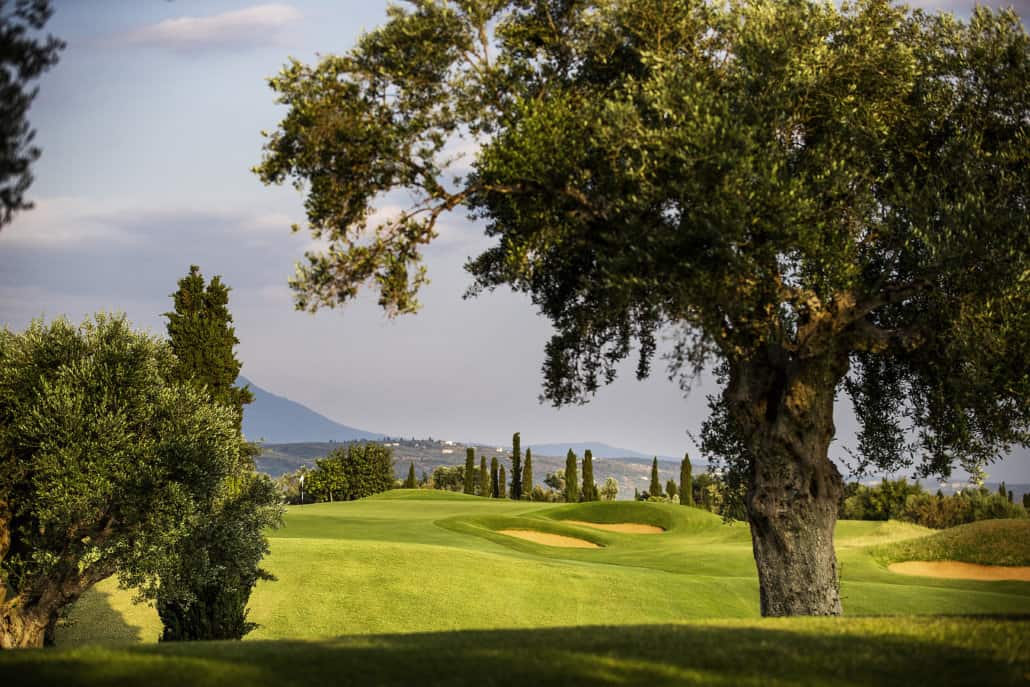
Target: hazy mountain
[{"x": 278, "y": 420}]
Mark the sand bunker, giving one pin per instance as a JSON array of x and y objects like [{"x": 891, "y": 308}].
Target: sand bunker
[
  {"x": 550, "y": 539},
  {"x": 961, "y": 571},
  {"x": 624, "y": 527}
]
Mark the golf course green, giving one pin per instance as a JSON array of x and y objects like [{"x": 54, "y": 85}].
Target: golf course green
[{"x": 424, "y": 587}]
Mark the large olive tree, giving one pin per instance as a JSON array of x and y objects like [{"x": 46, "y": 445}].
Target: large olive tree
[
  {"x": 811, "y": 197},
  {"x": 103, "y": 465}
]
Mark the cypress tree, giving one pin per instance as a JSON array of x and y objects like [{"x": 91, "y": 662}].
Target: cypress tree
[
  {"x": 502, "y": 483},
  {"x": 516, "y": 466},
  {"x": 1002, "y": 490},
  {"x": 571, "y": 489},
  {"x": 686, "y": 482},
  {"x": 589, "y": 488},
  {"x": 410, "y": 482},
  {"x": 484, "y": 478},
  {"x": 202, "y": 337},
  {"x": 495, "y": 488},
  {"x": 670, "y": 488},
  {"x": 527, "y": 474},
  {"x": 656, "y": 486},
  {"x": 205, "y": 588},
  {"x": 470, "y": 469}
]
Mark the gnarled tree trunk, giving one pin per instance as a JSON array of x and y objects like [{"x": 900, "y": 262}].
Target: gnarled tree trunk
[
  {"x": 784, "y": 409},
  {"x": 22, "y": 628}
]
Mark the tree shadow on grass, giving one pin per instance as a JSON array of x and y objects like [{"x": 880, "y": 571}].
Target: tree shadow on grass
[
  {"x": 93, "y": 619},
  {"x": 887, "y": 651}
]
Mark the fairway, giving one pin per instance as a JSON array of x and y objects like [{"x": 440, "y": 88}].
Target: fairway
[
  {"x": 428, "y": 576},
  {"x": 427, "y": 561}
]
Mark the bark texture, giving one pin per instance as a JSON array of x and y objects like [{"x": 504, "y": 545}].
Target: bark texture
[{"x": 784, "y": 408}]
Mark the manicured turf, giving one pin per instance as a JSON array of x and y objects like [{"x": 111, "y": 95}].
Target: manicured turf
[
  {"x": 773, "y": 652},
  {"x": 420, "y": 583},
  {"x": 988, "y": 542}
]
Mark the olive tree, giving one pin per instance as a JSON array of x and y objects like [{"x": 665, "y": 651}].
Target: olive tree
[
  {"x": 810, "y": 198},
  {"x": 104, "y": 464}
]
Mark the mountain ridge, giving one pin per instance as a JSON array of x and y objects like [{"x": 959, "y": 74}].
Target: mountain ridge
[{"x": 275, "y": 419}]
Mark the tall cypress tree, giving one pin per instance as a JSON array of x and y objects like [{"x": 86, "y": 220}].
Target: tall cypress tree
[
  {"x": 686, "y": 482},
  {"x": 484, "y": 478},
  {"x": 470, "y": 469},
  {"x": 204, "y": 590},
  {"x": 410, "y": 482},
  {"x": 571, "y": 487},
  {"x": 202, "y": 337},
  {"x": 589, "y": 488},
  {"x": 495, "y": 488},
  {"x": 527, "y": 475},
  {"x": 516, "y": 466},
  {"x": 502, "y": 485},
  {"x": 656, "y": 486}
]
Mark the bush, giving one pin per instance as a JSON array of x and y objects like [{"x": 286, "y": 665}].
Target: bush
[
  {"x": 883, "y": 502},
  {"x": 448, "y": 478},
  {"x": 969, "y": 505},
  {"x": 355, "y": 471}
]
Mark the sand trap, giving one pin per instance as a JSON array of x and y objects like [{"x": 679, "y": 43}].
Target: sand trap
[
  {"x": 624, "y": 527},
  {"x": 550, "y": 539},
  {"x": 961, "y": 571}
]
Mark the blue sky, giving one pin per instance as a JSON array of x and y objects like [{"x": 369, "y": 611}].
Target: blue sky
[{"x": 150, "y": 125}]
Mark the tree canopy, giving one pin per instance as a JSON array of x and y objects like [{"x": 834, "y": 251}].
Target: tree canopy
[
  {"x": 104, "y": 462},
  {"x": 809, "y": 197},
  {"x": 24, "y": 56}
]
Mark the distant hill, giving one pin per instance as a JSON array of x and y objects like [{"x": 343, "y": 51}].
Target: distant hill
[
  {"x": 427, "y": 454},
  {"x": 277, "y": 420},
  {"x": 598, "y": 450}
]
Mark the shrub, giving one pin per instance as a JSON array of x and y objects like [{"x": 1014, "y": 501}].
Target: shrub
[{"x": 610, "y": 489}]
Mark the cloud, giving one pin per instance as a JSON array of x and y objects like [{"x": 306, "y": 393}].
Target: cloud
[{"x": 249, "y": 27}]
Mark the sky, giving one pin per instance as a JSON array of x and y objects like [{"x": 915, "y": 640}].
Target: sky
[{"x": 150, "y": 125}]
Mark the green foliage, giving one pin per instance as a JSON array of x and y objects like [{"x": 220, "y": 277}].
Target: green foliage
[
  {"x": 484, "y": 478},
  {"x": 610, "y": 489},
  {"x": 24, "y": 56},
  {"x": 655, "y": 489},
  {"x": 204, "y": 593},
  {"x": 495, "y": 484},
  {"x": 670, "y": 489},
  {"x": 448, "y": 478},
  {"x": 502, "y": 483},
  {"x": 516, "y": 467},
  {"x": 470, "y": 470},
  {"x": 883, "y": 502},
  {"x": 527, "y": 472},
  {"x": 354, "y": 471},
  {"x": 105, "y": 464},
  {"x": 686, "y": 482},
  {"x": 410, "y": 482},
  {"x": 556, "y": 481},
  {"x": 571, "y": 488},
  {"x": 202, "y": 337},
  {"x": 969, "y": 505},
  {"x": 589, "y": 492}
]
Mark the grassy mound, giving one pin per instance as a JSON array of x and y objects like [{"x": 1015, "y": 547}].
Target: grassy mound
[
  {"x": 425, "y": 495},
  {"x": 667, "y": 516},
  {"x": 773, "y": 652},
  {"x": 988, "y": 542}
]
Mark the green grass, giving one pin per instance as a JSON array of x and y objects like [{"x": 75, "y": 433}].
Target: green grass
[
  {"x": 419, "y": 582},
  {"x": 773, "y": 652},
  {"x": 988, "y": 542}
]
